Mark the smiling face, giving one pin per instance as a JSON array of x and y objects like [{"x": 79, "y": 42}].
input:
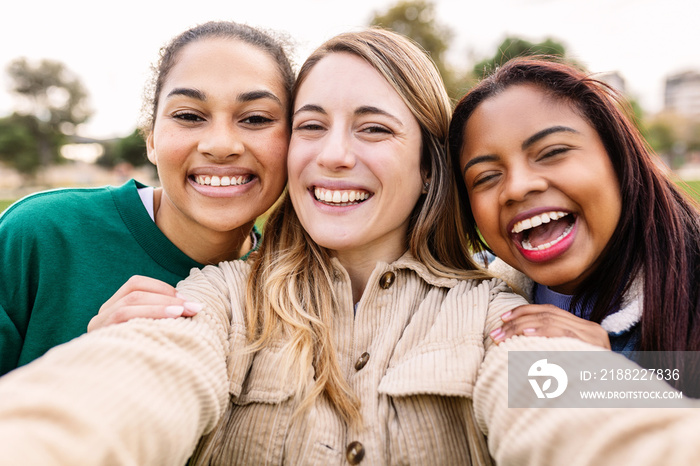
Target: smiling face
[
  {"x": 220, "y": 139},
  {"x": 354, "y": 159},
  {"x": 542, "y": 188}
]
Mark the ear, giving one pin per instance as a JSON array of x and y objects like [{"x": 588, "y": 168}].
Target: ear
[
  {"x": 425, "y": 176},
  {"x": 151, "y": 150}
]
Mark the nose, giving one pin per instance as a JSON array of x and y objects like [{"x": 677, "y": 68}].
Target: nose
[
  {"x": 221, "y": 140},
  {"x": 336, "y": 152},
  {"x": 520, "y": 182}
]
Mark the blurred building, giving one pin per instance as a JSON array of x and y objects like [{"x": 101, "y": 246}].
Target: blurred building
[
  {"x": 614, "y": 80},
  {"x": 682, "y": 94}
]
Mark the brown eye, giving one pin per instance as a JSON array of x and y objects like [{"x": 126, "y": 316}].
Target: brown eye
[
  {"x": 257, "y": 120},
  {"x": 188, "y": 116},
  {"x": 554, "y": 152}
]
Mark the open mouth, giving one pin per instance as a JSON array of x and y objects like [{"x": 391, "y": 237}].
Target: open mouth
[
  {"x": 206, "y": 180},
  {"x": 340, "y": 198},
  {"x": 543, "y": 231}
]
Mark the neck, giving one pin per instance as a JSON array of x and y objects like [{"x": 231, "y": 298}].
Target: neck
[
  {"x": 360, "y": 264},
  {"x": 201, "y": 244}
]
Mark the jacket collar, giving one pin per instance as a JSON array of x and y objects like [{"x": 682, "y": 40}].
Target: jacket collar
[{"x": 406, "y": 262}]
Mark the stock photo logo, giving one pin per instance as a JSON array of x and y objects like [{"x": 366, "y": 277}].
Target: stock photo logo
[{"x": 540, "y": 376}]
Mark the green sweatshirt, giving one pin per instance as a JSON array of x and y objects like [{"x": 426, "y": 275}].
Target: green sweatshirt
[{"x": 64, "y": 253}]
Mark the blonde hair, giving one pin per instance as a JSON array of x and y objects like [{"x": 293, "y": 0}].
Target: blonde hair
[{"x": 290, "y": 295}]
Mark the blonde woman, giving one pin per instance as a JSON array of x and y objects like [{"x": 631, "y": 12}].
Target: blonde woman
[{"x": 357, "y": 336}]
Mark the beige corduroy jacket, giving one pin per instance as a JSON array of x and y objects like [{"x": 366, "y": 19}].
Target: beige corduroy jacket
[{"x": 146, "y": 391}]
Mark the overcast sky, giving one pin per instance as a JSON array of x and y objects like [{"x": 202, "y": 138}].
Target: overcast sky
[{"x": 111, "y": 45}]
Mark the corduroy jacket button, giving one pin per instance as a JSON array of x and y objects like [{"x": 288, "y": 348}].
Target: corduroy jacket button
[
  {"x": 362, "y": 361},
  {"x": 355, "y": 453},
  {"x": 387, "y": 280}
]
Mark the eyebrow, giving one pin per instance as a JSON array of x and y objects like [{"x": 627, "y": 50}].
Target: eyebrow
[
  {"x": 310, "y": 108},
  {"x": 369, "y": 110},
  {"x": 364, "y": 110},
  {"x": 527, "y": 143},
  {"x": 480, "y": 159},
  {"x": 188, "y": 92},
  {"x": 244, "y": 97},
  {"x": 546, "y": 132},
  {"x": 256, "y": 95}
]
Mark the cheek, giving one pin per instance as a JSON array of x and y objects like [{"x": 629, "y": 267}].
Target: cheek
[
  {"x": 299, "y": 156},
  {"x": 486, "y": 217}
]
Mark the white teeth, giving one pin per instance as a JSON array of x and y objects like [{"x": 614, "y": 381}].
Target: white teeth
[
  {"x": 341, "y": 198},
  {"x": 537, "y": 220},
  {"x": 526, "y": 244},
  {"x": 215, "y": 180}
]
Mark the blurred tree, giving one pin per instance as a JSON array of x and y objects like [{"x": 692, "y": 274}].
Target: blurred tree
[
  {"x": 416, "y": 19},
  {"x": 693, "y": 136},
  {"x": 53, "y": 97},
  {"x": 660, "y": 135},
  {"x": 512, "y": 47},
  {"x": 130, "y": 149},
  {"x": 20, "y": 147}
]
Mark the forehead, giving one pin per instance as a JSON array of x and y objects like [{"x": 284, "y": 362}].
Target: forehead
[
  {"x": 347, "y": 78},
  {"x": 224, "y": 62},
  {"x": 517, "y": 113}
]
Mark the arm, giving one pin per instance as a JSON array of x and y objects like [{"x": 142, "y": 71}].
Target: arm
[
  {"x": 16, "y": 245},
  {"x": 142, "y": 392},
  {"x": 580, "y": 436}
]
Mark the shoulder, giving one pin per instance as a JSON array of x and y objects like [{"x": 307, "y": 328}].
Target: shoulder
[
  {"x": 219, "y": 286},
  {"x": 517, "y": 280},
  {"x": 58, "y": 203}
]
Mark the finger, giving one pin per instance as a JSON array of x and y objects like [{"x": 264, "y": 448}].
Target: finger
[
  {"x": 589, "y": 332},
  {"x": 528, "y": 323},
  {"x": 143, "y": 304},
  {"x": 148, "y": 311},
  {"x": 144, "y": 284},
  {"x": 124, "y": 314},
  {"x": 530, "y": 309}
]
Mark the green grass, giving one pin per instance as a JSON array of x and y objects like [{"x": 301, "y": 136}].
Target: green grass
[
  {"x": 694, "y": 189},
  {"x": 5, "y": 203}
]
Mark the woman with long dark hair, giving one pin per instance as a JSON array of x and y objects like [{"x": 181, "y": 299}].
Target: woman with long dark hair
[{"x": 560, "y": 185}]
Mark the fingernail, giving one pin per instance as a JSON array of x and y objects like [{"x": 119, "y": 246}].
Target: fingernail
[
  {"x": 174, "y": 311},
  {"x": 506, "y": 315},
  {"x": 529, "y": 330},
  {"x": 193, "y": 307},
  {"x": 497, "y": 334}
]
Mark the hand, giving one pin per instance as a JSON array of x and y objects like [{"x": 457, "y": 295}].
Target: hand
[
  {"x": 549, "y": 321},
  {"x": 143, "y": 297}
]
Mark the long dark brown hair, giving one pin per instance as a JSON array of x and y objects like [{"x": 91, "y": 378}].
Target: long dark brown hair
[{"x": 658, "y": 234}]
